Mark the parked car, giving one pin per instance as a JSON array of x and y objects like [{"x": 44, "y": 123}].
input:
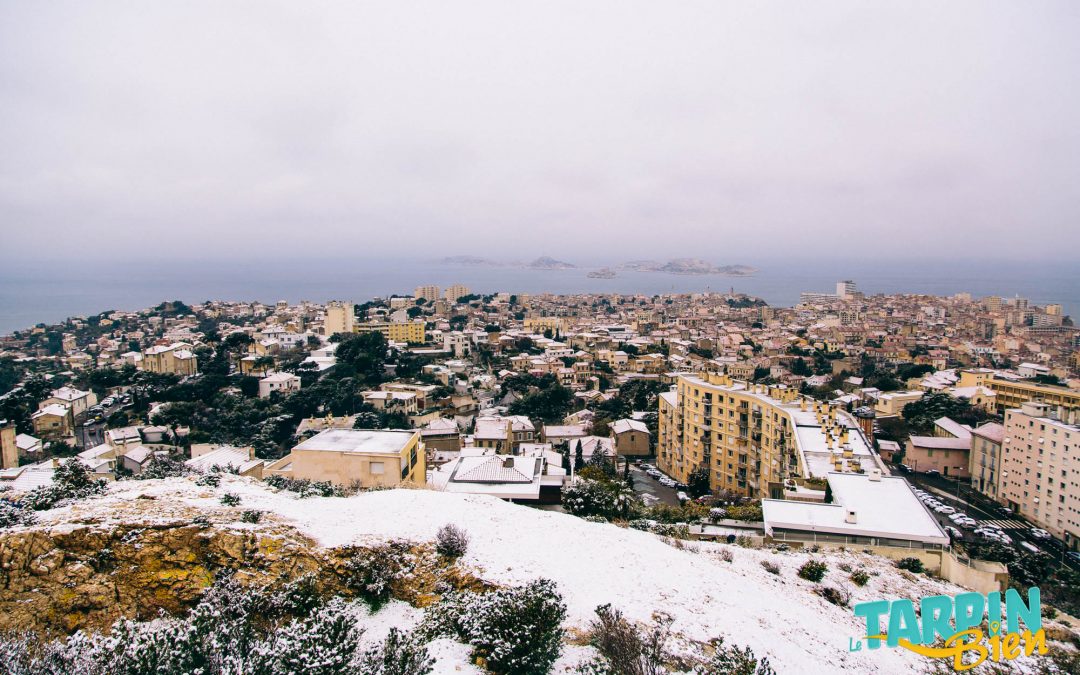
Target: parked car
[
  {"x": 1028, "y": 546},
  {"x": 682, "y": 496},
  {"x": 1039, "y": 534},
  {"x": 953, "y": 532}
]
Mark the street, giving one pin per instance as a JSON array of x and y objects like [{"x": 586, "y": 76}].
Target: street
[{"x": 644, "y": 484}]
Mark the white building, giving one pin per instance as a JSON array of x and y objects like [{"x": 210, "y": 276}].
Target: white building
[{"x": 282, "y": 382}]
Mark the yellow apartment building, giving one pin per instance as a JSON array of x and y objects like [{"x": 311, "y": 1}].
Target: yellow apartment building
[{"x": 412, "y": 332}]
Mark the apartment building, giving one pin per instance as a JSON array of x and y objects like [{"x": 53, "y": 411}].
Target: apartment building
[
  {"x": 504, "y": 435},
  {"x": 1041, "y": 467},
  {"x": 412, "y": 332},
  {"x": 456, "y": 291},
  {"x": 356, "y": 456},
  {"x": 1014, "y": 393},
  {"x": 429, "y": 293},
  {"x": 752, "y": 437},
  {"x": 176, "y": 359},
  {"x": 985, "y": 467},
  {"x": 340, "y": 318},
  {"x": 75, "y": 400}
]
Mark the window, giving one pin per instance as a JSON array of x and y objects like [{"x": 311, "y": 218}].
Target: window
[{"x": 377, "y": 467}]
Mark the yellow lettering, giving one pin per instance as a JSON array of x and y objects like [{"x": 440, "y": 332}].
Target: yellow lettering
[
  {"x": 1033, "y": 641},
  {"x": 1011, "y": 646}
]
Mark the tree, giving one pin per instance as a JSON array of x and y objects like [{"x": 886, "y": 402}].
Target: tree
[
  {"x": 698, "y": 482},
  {"x": 800, "y": 367},
  {"x": 920, "y": 415}
]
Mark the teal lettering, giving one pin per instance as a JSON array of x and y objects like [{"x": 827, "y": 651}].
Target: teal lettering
[
  {"x": 969, "y": 611},
  {"x": 872, "y": 611},
  {"x": 903, "y": 623},
  {"x": 1015, "y": 609},
  {"x": 936, "y": 614}
]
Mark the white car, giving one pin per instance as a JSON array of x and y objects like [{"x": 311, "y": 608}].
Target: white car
[
  {"x": 945, "y": 509},
  {"x": 1040, "y": 534},
  {"x": 1029, "y": 547},
  {"x": 953, "y": 532},
  {"x": 957, "y": 517}
]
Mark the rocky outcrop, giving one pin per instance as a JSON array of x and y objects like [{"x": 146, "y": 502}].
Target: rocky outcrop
[{"x": 57, "y": 580}]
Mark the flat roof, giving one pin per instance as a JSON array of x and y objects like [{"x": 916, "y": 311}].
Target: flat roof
[
  {"x": 885, "y": 509},
  {"x": 364, "y": 441}
]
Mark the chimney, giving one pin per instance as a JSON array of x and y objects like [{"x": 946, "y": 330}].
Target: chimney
[
  {"x": 508, "y": 463},
  {"x": 875, "y": 475},
  {"x": 850, "y": 516}
]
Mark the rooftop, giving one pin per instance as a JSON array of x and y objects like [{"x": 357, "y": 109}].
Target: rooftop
[{"x": 365, "y": 441}]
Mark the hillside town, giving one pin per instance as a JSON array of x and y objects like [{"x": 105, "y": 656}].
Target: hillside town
[{"x": 939, "y": 430}]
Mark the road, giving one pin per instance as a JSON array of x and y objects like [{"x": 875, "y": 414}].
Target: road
[
  {"x": 960, "y": 497},
  {"x": 644, "y": 484}
]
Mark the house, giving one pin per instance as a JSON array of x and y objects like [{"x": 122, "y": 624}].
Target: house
[
  {"x": 53, "y": 421},
  {"x": 529, "y": 478},
  {"x": 278, "y": 382},
  {"x": 176, "y": 358},
  {"x": 71, "y": 398},
  {"x": 558, "y": 434},
  {"x": 948, "y": 456},
  {"x": 441, "y": 435},
  {"x": 135, "y": 458},
  {"x": 631, "y": 438},
  {"x": 503, "y": 434},
  {"x": 590, "y": 445},
  {"x": 205, "y": 458},
  {"x": 892, "y": 403},
  {"x": 399, "y": 401},
  {"x": 362, "y": 457}
]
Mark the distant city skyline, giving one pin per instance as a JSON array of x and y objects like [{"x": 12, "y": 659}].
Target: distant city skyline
[{"x": 614, "y": 130}]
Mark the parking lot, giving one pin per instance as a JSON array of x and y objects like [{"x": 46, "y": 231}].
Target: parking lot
[
  {"x": 651, "y": 490},
  {"x": 90, "y": 431},
  {"x": 965, "y": 521}
]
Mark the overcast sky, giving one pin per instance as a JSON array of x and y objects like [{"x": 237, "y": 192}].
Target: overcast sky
[{"x": 726, "y": 130}]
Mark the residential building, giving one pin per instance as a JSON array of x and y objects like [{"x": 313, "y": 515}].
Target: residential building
[
  {"x": 948, "y": 456},
  {"x": 243, "y": 461},
  {"x": 456, "y": 291},
  {"x": 367, "y": 458},
  {"x": 175, "y": 359},
  {"x": 411, "y": 332},
  {"x": 1014, "y": 393},
  {"x": 9, "y": 447},
  {"x": 985, "y": 467},
  {"x": 429, "y": 293},
  {"x": 528, "y": 478},
  {"x": 1041, "y": 468},
  {"x": 503, "y": 435},
  {"x": 278, "y": 382},
  {"x": 892, "y": 403},
  {"x": 340, "y": 318},
  {"x": 631, "y": 438},
  {"x": 77, "y": 401},
  {"x": 54, "y": 421}
]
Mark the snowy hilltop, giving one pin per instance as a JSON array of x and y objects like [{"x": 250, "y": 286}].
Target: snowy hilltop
[{"x": 186, "y": 530}]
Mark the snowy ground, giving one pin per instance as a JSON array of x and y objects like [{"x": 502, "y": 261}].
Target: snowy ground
[{"x": 593, "y": 564}]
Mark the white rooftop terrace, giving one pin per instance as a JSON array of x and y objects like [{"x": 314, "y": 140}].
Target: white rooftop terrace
[{"x": 365, "y": 441}]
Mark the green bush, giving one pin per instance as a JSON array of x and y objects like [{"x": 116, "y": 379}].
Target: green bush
[
  {"x": 910, "y": 564},
  {"x": 813, "y": 570},
  {"x": 860, "y": 577}
]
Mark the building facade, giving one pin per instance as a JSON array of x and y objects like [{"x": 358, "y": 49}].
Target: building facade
[
  {"x": 985, "y": 467},
  {"x": 1041, "y": 468}
]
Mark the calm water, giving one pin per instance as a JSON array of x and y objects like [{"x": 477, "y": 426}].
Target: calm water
[{"x": 50, "y": 292}]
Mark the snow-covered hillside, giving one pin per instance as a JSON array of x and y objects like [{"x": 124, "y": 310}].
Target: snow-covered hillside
[{"x": 593, "y": 564}]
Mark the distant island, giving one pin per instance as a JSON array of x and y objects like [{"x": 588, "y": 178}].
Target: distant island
[
  {"x": 683, "y": 266},
  {"x": 688, "y": 266}
]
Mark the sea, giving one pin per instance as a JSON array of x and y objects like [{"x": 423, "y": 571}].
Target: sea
[{"x": 48, "y": 292}]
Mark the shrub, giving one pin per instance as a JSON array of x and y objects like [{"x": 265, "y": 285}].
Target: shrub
[
  {"x": 860, "y": 577},
  {"x": 451, "y": 541},
  {"x": 836, "y": 596},
  {"x": 624, "y": 648},
  {"x": 813, "y": 570},
  {"x": 371, "y": 571},
  {"x": 209, "y": 480},
  {"x": 397, "y": 655},
  {"x": 770, "y": 567},
  {"x": 734, "y": 661},
  {"x": 910, "y": 564},
  {"x": 251, "y": 516},
  {"x": 304, "y": 487},
  {"x": 751, "y": 512},
  {"x": 200, "y": 521},
  {"x": 14, "y": 513},
  {"x": 675, "y": 531},
  {"x": 230, "y": 499},
  {"x": 726, "y": 555},
  {"x": 596, "y": 519},
  {"x": 782, "y": 547},
  {"x": 717, "y": 514},
  {"x": 610, "y": 499},
  {"x": 163, "y": 467},
  {"x": 512, "y": 630},
  {"x": 71, "y": 480},
  {"x": 844, "y": 567}
]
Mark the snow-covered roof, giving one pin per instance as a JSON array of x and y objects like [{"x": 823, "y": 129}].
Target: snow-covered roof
[
  {"x": 225, "y": 456},
  {"x": 622, "y": 426},
  {"x": 365, "y": 441},
  {"x": 885, "y": 508}
]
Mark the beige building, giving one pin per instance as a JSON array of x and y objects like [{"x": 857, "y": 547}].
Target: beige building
[
  {"x": 1014, "y": 393},
  {"x": 985, "y": 467},
  {"x": 53, "y": 421},
  {"x": 429, "y": 293},
  {"x": 631, "y": 438},
  {"x": 340, "y": 318},
  {"x": 278, "y": 382},
  {"x": 9, "y": 449},
  {"x": 457, "y": 291},
  {"x": 356, "y": 457},
  {"x": 503, "y": 435},
  {"x": 175, "y": 359},
  {"x": 73, "y": 399},
  {"x": 892, "y": 403},
  {"x": 946, "y": 455},
  {"x": 1040, "y": 470}
]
